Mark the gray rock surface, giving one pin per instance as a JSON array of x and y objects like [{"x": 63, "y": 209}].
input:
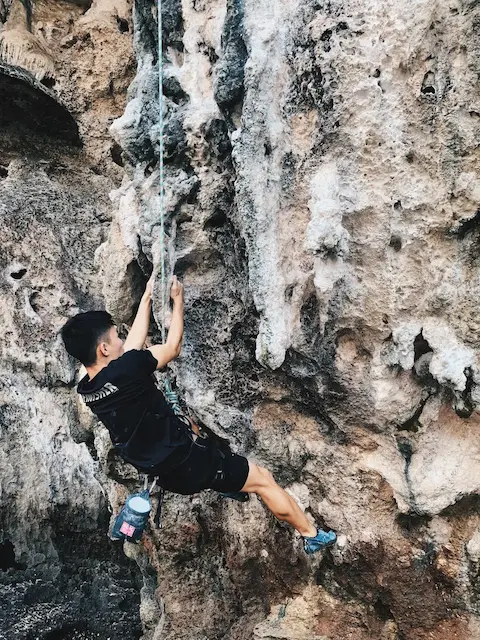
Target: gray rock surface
[{"x": 60, "y": 577}]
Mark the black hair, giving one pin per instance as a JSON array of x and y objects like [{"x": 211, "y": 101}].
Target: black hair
[{"x": 82, "y": 334}]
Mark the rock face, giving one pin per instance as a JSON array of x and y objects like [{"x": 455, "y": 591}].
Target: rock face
[
  {"x": 59, "y": 575},
  {"x": 322, "y": 199}
]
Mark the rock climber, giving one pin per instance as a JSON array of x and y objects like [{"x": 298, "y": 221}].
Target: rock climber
[{"x": 120, "y": 390}]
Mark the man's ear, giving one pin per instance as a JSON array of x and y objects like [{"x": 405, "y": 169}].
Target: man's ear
[{"x": 102, "y": 349}]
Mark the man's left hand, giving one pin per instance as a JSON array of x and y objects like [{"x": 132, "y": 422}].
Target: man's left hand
[{"x": 147, "y": 296}]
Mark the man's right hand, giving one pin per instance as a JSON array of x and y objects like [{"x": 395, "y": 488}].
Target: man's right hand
[{"x": 176, "y": 291}]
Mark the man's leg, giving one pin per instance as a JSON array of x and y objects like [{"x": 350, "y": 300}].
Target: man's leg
[{"x": 283, "y": 506}]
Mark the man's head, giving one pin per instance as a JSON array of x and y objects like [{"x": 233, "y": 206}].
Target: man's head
[{"x": 92, "y": 338}]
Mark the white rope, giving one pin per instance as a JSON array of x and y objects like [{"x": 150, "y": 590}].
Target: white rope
[
  {"x": 169, "y": 393},
  {"x": 161, "y": 169}
]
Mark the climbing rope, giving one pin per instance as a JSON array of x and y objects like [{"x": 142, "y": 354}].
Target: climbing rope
[
  {"x": 161, "y": 167},
  {"x": 169, "y": 393},
  {"x": 172, "y": 398}
]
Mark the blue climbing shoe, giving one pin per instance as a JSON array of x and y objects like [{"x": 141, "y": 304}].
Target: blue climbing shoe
[
  {"x": 240, "y": 496},
  {"x": 321, "y": 541}
]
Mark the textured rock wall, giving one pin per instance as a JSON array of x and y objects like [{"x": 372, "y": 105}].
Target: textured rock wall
[
  {"x": 322, "y": 210},
  {"x": 322, "y": 195},
  {"x": 59, "y": 575}
]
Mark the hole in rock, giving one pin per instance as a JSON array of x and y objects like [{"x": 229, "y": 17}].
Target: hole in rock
[
  {"x": 122, "y": 25},
  {"x": 396, "y": 243},
  {"x": 430, "y": 551},
  {"x": 3, "y": 172},
  {"x": 30, "y": 106},
  {"x": 192, "y": 196},
  {"x": 464, "y": 406},
  {"x": 289, "y": 292},
  {"x": 341, "y": 26},
  {"x": 421, "y": 346},
  {"x": 382, "y": 610},
  {"x": 48, "y": 82},
  {"x": 149, "y": 170},
  {"x": 18, "y": 275},
  {"x": 7, "y": 555},
  {"x": 469, "y": 385},
  {"x": 397, "y": 205},
  {"x": 196, "y": 259},
  {"x": 411, "y": 425},
  {"x": 217, "y": 219},
  {"x": 428, "y": 84},
  {"x": 410, "y": 157},
  {"x": 376, "y": 73},
  {"x": 35, "y": 301},
  {"x": 268, "y": 148},
  {"x": 216, "y": 133},
  {"x": 464, "y": 410},
  {"x": 412, "y": 521},
  {"x": 173, "y": 89},
  {"x": 465, "y": 507},
  {"x": 212, "y": 55},
  {"x": 326, "y": 35},
  {"x": 406, "y": 449},
  {"x": 116, "y": 154},
  {"x": 469, "y": 225}
]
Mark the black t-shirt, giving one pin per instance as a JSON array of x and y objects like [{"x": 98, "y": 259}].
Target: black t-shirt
[{"x": 141, "y": 423}]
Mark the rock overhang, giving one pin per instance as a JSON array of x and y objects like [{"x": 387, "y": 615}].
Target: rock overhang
[{"x": 32, "y": 108}]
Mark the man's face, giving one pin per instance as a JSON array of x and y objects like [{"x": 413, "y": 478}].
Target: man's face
[{"x": 115, "y": 344}]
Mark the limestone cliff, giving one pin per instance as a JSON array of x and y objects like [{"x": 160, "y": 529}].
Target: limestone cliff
[{"x": 322, "y": 210}]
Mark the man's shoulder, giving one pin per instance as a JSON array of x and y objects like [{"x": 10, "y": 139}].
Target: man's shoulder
[
  {"x": 137, "y": 360},
  {"x": 132, "y": 362}
]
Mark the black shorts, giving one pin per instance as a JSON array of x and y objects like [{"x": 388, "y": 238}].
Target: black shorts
[{"x": 208, "y": 466}]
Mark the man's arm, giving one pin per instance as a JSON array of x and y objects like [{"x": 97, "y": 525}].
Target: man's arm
[
  {"x": 138, "y": 333},
  {"x": 164, "y": 353}
]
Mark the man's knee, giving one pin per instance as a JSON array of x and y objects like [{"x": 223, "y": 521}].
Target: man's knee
[
  {"x": 259, "y": 479},
  {"x": 266, "y": 474}
]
